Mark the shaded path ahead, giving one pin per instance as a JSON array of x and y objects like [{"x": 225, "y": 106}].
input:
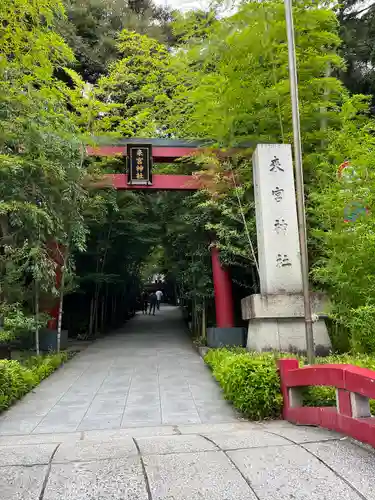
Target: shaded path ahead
[
  {"x": 146, "y": 373},
  {"x": 137, "y": 416}
]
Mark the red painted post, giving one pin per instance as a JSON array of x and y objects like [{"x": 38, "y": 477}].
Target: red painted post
[
  {"x": 56, "y": 252},
  {"x": 343, "y": 402},
  {"x": 285, "y": 365},
  {"x": 223, "y": 292}
]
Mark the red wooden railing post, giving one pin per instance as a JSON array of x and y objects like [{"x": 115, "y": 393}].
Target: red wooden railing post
[
  {"x": 354, "y": 386},
  {"x": 343, "y": 403},
  {"x": 285, "y": 365}
]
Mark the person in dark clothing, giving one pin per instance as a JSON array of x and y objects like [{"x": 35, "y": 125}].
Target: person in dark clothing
[
  {"x": 144, "y": 301},
  {"x": 153, "y": 300}
]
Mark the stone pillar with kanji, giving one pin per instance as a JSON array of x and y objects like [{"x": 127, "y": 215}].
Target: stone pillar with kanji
[{"x": 276, "y": 314}]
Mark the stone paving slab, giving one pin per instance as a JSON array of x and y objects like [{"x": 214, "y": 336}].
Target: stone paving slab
[
  {"x": 16, "y": 425},
  {"x": 134, "y": 432},
  {"x": 195, "y": 476},
  {"x": 217, "y": 428},
  {"x": 354, "y": 463},
  {"x": 174, "y": 444},
  {"x": 120, "y": 479},
  {"x": 114, "y": 465},
  {"x": 245, "y": 439},
  {"x": 38, "y": 454},
  {"x": 13, "y": 440},
  {"x": 301, "y": 434},
  {"x": 21, "y": 483},
  {"x": 290, "y": 472},
  {"x": 95, "y": 450},
  {"x": 102, "y": 421}
]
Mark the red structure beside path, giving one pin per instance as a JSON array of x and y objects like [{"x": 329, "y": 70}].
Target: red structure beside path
[
  {"x": 159, "y": 183},
  {"x": 354, "y": 387},
  {"x": 56, "y": 251},
  {"x": 223, "y": 292},
  {"x": 160, "y": 154}
]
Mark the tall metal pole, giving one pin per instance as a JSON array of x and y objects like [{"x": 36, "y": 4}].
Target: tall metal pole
[{"x": 299, "y": 180}]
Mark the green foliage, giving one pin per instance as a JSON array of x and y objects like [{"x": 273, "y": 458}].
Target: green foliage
[
  {"x": 41, "y": 164},
  {"x": 92, "y": 26},
  {"x": 139, "y": 86},
  {"x": 238, "y": 87},
  {"x": 356, "y": 20},
  {"x": 343, "y": 251},
  {"x": 6, "y": 337},
  {"x": 249, "y": 380},
  {"x": 16, "y": 322},
  {"x": 18, "y": 379},
  {"x": 226, "y": 81}
]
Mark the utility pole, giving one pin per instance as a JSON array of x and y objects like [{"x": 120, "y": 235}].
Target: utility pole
[{"x": 299, "y": 180}]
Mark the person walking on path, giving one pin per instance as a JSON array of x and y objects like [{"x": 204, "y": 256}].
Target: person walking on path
[
  {"x": 159, "y": 296},
  {"x": 153, "y": 301},
  {"x": 144, "y": 301}
]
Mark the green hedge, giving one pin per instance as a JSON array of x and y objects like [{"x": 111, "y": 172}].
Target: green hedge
[
  {"x": 251, "y": 382},
  {"x": 17, "y": 379}
]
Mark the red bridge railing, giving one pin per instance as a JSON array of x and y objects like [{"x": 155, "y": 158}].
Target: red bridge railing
[{"x": 354, "y": 388}]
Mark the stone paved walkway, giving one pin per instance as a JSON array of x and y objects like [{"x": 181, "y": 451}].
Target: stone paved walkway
[
  {"x": 138, "y": 417},
  {"x": 144, "y": 374},
  {"x": 232, "y": 461}
]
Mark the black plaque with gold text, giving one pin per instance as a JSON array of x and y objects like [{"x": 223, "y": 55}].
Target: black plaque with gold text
[{"x": 139, "y": 164}]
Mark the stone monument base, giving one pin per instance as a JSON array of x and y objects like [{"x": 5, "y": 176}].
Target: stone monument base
[
  {"x": 48, "y": 339},
  {"x": 231, "y": 336},
  {"x": 276, "y": 322}
]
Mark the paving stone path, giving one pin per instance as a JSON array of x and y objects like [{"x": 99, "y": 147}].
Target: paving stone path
[
  {"x": 146, "y": 373},
  {"x": 137, "y": 417}
]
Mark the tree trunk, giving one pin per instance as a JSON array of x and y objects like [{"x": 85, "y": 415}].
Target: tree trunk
[
  {"x": 91, "y": 320},
  {"x": 96, "y": 316},
  {"x": 37, "y": 346},
  {"x": 105, "y": 306},
  {"x": 59, "y": 317},
  {"x": 204, "y": 321}
]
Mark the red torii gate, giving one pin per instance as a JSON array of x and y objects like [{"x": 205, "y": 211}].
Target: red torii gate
[{"x": 167, "y": 151}]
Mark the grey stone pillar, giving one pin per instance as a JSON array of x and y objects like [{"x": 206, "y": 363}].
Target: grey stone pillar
[{"x": 276, "y": 314}]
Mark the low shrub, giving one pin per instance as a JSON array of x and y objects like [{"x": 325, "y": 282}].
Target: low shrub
[
  {"x": 251, "y": 382},
  {"x": 17, "y": 379}
]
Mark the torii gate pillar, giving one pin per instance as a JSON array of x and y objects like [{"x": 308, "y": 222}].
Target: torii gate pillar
[
  {"x": 223, "y": 292},
  {"x": 225, "y": 333}
]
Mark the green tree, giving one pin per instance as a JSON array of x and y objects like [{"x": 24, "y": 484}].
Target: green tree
[
  {"x": 357, "y": 31},
  {"x": 239, "y": 80},
  {"x": 92, "y": 26},
  {"x": 140, "y": 86},
  {"x": 342, "y": 218},
  {"x": 40, "y": 152}
]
